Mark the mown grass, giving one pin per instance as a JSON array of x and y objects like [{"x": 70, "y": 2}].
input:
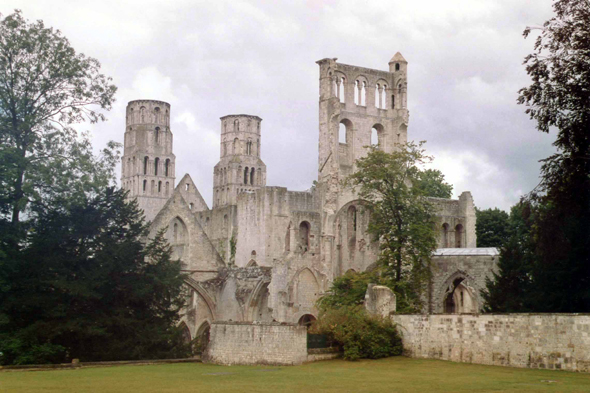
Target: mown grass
[{"x": 398, "y": 374}]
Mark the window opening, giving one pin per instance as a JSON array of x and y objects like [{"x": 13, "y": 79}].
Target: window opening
[
  {"x": 145, "y": 165},
  {"x": 156, "y": 164},
  {"x": 342, "y": 133}
]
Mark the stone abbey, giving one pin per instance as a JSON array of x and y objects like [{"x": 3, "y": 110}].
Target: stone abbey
[{"x": 265, "y": 253}]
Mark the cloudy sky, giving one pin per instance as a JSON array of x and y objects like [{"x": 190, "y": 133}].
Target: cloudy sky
[{"x": 213, "y": 58}]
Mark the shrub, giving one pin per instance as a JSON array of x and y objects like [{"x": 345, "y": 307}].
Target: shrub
[{"x": 361, "y": 335}]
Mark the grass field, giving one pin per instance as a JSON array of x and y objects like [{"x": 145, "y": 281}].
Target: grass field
[{"x": 398, "y": 374}]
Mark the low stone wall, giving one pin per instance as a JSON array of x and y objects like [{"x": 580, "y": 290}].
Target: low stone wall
[
  {"x": 550, "y": 341},
  {"x": 256, "y": 343}
]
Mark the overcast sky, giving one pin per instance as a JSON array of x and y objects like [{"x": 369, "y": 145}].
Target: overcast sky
[{"x": 213, "y": 58}]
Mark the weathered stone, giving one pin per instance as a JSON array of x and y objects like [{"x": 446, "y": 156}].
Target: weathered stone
[{"x": 380, "y": 300}]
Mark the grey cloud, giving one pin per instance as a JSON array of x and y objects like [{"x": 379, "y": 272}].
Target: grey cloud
[{"x": 259, "y": 58}]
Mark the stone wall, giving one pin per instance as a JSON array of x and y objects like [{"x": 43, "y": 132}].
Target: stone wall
[
  {"x": 256, "y": 343},
  {"x": 549, "y": 341}
]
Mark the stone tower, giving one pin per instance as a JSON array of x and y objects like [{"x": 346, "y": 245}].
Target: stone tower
[
  {"x": 147, "y": 169},
  {"x": 240, "y": 167},
  {"x": 358, "y": 107}
]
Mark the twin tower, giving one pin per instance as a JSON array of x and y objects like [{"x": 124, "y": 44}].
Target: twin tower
[{"x": 148, "y": 163}]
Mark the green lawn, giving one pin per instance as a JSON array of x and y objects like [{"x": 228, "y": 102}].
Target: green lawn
[{"x": 397, "y": 374}]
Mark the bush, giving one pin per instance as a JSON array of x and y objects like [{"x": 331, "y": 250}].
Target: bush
[{"x": 361, "y": 335}]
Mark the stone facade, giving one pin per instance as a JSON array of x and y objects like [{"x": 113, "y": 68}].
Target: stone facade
[
  {"x": 256, "y": 343},
  {"x": 263, "y": 253},
  {"x": 549, "y": 341}
]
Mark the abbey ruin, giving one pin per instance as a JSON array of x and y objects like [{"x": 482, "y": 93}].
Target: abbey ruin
[{"x": 265, "y": 253}]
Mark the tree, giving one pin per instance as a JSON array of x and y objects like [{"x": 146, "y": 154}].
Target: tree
[
  {"x": 559, "y": 98},
  {"x": 492, "y": 227},
  {"x": 402, "y": 219},
  {"x": 87, "y": 286},
  {"x": 432, "y": 183},
  {"x": 510, "y": 289},
  {"x": 45, "y": 88}
]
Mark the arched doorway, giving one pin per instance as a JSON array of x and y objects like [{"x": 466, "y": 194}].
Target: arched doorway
[
  {"x": 306, "y": 320},
  {"x": 202, "y": 337},
  {"x": 460, "y": 298}
]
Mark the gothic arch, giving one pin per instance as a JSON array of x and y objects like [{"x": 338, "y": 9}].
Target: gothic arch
[
  {"x": 442, "y": 291},
  {"x": 307, "y": 288},
  {"x": 256, "y": 299},
  {"x": 198, "y": 288}
]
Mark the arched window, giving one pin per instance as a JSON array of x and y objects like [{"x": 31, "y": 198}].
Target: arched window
[
  {"x": 397, "y": 66},
  {"x": 153, "y": 187},
  {"x": 341, "y": 92},
  {"x": 156, "y": 164},
  {"x": 134, "y": 168},
  {"x": 392, "y": 101},
  {"x": 364, "y": 94},
  {"x": 167, "y": 167},
  {"x": 157, "y": 116},
  {"x": 459, "y": 236},
  {"x": 157, "y": 135},
  {"x": 175, "y": 235},
  {"x": 445, "y": 235},
  {"x": 246, "y": 175},
  {"x": 377, "y": 96},
  {"x": 144, "y": 185},
  {"x": 357, "y": 92},
  {"x": 342, "y": 133},
  {"x": 159, "y": 187},
  {"x": 383, "y": 97},
  {"x": 259, "y": 177},
  {"x": 304, "y": 229},
  {"x": 167, "y": 188},
  {"x": 252, "y": 171},
  {"x": 145, "y": 165},
  {"x": 377, "y": 132},
  {"x": 225, "y": 222},
  {"x": 374, "y": 137}
]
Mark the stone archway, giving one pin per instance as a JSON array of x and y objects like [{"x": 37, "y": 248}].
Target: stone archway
[
  {"x": 202, "y": 337},
  {"x": 306, "y": 320}
]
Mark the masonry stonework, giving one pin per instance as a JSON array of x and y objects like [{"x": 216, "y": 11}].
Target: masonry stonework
[
  {"x": 549, "y": 341},
  {"x": 235, "y": 343},
  {"x": 265, "y": 253}
]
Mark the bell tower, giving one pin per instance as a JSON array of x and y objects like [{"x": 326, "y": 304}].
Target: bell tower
[
  {"x": 147, "y": 168},
  {"x": 240, "y": 167}
]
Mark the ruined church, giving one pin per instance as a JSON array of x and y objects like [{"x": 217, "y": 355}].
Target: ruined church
[{"x": 265, "y": 253}]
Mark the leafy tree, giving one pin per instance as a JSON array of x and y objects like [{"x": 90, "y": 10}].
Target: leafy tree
[
  {"x": 46, "y": 88},
  {"x": 432, "y": 183},
  {"x": 510, "y": 289},
  {"x": 401, "y": 219},
  {"x": 559, "y": 99},
  {"x": 86, "y": 286},
  {"x": 492, "y": 227}
]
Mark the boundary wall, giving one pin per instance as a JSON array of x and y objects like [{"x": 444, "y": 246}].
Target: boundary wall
[
  {"x": 274, "y": 343},
  {"x": 547, "y": 341}
]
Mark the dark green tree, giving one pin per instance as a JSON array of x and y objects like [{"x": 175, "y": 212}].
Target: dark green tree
[
  {"x": 510, "y": 288},
  {"x": 431, "y": 182},
  {"x": 45, "y": 88},
  {"x": 402, "y": 219},
  {"x": 559, "y": 99},
  {"x": 492, "y": 227},
  {"x": 87, "y": 286}
]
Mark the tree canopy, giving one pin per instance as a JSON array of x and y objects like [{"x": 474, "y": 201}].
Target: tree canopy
[
  {"x": 432, "y": 183},
  {"x": 492, "y": 227},
  {"x": 45, "y": 88},
  {"x": 402, "y": 219},
  {"x": 557, "y": 262},
  {"x": 86, "y": 286}
]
